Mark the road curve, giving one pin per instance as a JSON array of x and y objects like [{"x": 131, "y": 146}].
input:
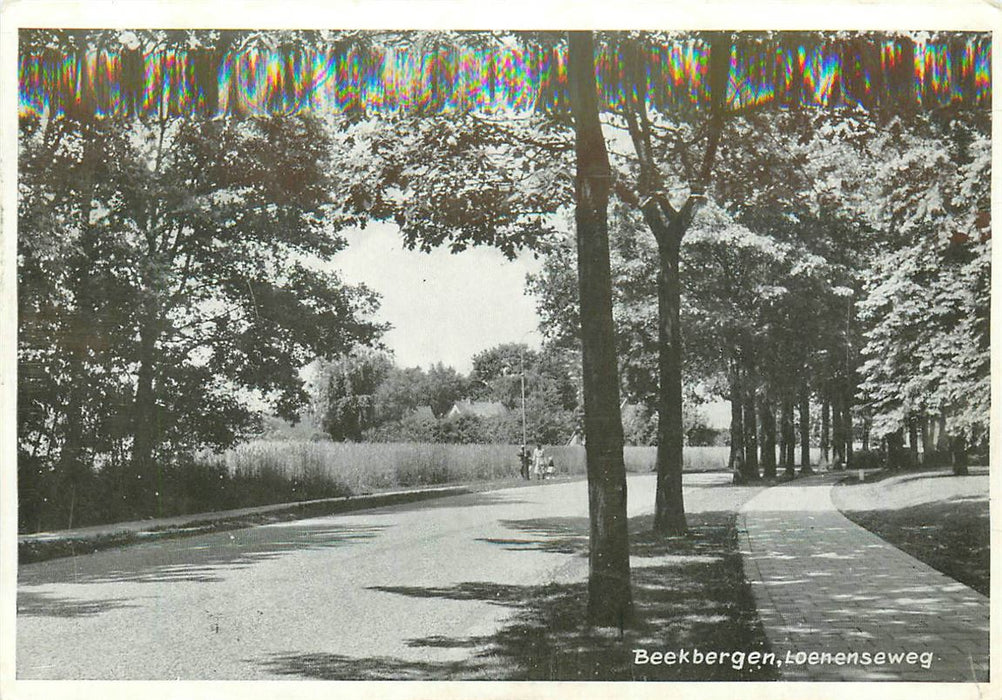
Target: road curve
[{"x": 381, "y": 584}]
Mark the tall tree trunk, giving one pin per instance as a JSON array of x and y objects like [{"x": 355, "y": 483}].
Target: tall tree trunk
[
  {"x": 838, "y": 431},
  {"x": 825, "y": 428},
  {"x": 805, "y": 431},
  {"x": 895, "y": 449},
  {"x": 958, "y": 455},
  {"x": 768, "y": 420},
  {"x": 610, "y": 600},
  {"x": 847, "y": 426},
  {"x": 788, "y": 437},
  {"x": 669, "y": 508},
  {"x": 942, "y": 438},
  {"x": 668, "y": 225},
  {"x": 145, "y": 429},
  {"x": 913, "y": 452},
  {"x": 926, "y": 438},
  {"x": 867, "y": 426},
  {"x": 782, "y": 434},
  {"x": 736, "y": 461},
  {"x": 71, "y": 466},
  {"x": 848, "y": 388},
  {"x": 750, "y": 423}
]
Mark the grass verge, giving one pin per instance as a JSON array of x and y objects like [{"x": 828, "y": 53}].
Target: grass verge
[
  {"x": 940, "y": 519},
  {"x": 950, "y": 536}
]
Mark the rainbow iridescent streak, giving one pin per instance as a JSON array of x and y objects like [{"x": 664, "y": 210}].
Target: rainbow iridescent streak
[{"x": 501, "y": 81}]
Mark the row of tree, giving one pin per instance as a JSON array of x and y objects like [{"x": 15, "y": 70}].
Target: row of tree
[
  {"x": 794, "y": 294},
  {"x": 947, "y": 219}
]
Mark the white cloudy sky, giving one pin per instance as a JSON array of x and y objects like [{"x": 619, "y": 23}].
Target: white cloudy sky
[{"x": 443, "y": 307}]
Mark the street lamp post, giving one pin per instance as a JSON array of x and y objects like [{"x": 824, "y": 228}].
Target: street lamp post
[{"x": 521, "y": 361}]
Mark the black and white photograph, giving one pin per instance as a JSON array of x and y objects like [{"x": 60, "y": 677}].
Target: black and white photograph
[{"x": 469, "y": 351}]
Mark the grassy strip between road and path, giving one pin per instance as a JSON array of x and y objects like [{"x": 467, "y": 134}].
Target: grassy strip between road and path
[{"x": 938, "y": 518}]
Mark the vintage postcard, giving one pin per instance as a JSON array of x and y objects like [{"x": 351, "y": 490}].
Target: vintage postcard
[{"x": 500, "y": 351}]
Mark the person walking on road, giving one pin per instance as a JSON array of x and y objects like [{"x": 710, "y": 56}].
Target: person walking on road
[
  {"x": 523, "y": 459},
  {"x": 539, "y": 462}
]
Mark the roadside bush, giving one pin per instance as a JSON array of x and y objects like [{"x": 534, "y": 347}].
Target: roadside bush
[
  {"x": 34, "y": 483},
  {"x": 867, "y": 459},
  {"x": 936, "y": 458},
  {"x": 182, "y": 487}
]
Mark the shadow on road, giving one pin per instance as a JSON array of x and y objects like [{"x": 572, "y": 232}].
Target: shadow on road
[
  {"x": 564, "y": 535},
  {"x": 201, "y": 559},
  {"x": 952, "y": 536},
  {"x": 471, "y": 500},
  {"x": 750, "y": 487},
  {"x": 43, "y": 605},
  {"x": 495, "y": 593},
  {"x": 337, "y": 667},
  {"x": 687, "y": 592}
]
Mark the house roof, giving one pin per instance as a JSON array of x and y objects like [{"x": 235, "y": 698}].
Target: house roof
[
  {"x": 478, "y": 409},
  {"x": 423, "y": 412}
]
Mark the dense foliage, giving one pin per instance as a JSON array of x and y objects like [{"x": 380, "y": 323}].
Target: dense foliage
[
  {"x": 363, "y": 395},
  {"x": 171, "y": 277}
]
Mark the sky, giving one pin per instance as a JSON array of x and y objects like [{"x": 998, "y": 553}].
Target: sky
[{"x": 443, "y": 307}]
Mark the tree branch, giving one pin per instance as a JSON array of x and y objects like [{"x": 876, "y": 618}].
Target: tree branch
[{"x": 625, "y": 193}]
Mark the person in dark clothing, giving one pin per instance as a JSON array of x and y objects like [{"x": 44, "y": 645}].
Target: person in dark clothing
[{"x": 523, "y": 458}]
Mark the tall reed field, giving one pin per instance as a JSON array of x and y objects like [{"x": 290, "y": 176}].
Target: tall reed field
[
  {"x": 359, "y": 468},
  {"x": 287, "y": 471}
]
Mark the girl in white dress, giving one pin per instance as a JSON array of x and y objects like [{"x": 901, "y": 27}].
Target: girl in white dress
[{"x": 538, "y": 462}]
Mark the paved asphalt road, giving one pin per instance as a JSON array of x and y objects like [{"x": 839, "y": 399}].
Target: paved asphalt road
[{"x": 364, "y": 592}]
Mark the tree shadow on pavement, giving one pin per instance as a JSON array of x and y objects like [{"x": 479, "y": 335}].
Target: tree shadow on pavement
[
  {"x": 470, "y": 500},
  {"x": 751, "y": 487},
  {"x": 688, "y": 593},
  {"x": 201, "y": 559},
  {"x": 43, "y": 605},
  {"x": 565, "y": 535},
  {"x": 952, "y": 536},
  {"x": 827, "y": 585},
  {"x": 494, "y": 593},
  {"x": 338, "y": 667}
]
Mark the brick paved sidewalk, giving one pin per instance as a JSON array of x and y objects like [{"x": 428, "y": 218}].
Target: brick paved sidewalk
[{"x": 824, "y": 584}]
